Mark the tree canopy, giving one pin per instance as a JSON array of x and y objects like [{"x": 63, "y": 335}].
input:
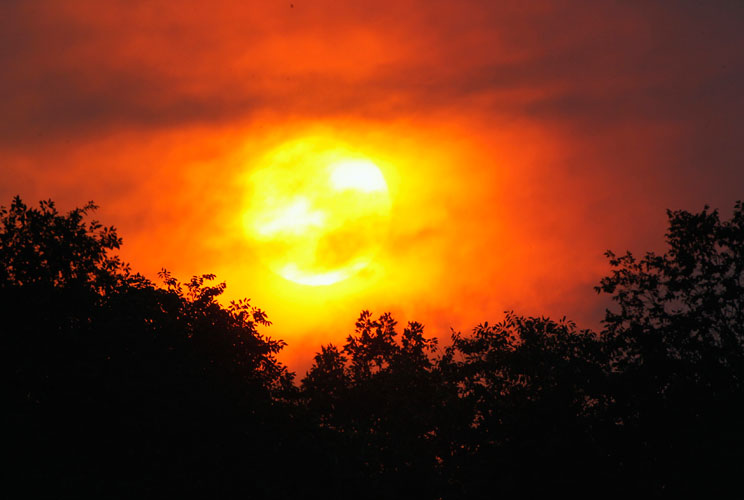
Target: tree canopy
[{"x": 117, "y": 386}]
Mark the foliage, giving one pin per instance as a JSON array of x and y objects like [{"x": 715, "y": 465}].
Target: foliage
[
  {"x": 41, "y": 246},
  {"x": 118, "y": 387},
  {"x": 683, "y": 307},
  {"x": 676, "y": 345},
  {"x": 379, "y": 393},
  {"x": 532, "y": 389}
]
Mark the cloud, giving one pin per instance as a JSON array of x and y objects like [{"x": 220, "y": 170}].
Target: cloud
[
  {"x": 87, "y": 67},
  {"x": 526, "y": 139}
]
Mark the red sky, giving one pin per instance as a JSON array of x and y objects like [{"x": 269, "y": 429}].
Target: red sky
[{"x": 521, "y": 141}]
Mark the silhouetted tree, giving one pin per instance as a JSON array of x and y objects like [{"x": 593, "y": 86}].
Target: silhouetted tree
[
  {"x": 533, "y": 390},
  {"x": 651, "y": 403},
  {"x": 117, "y": 387},
  {"x": 40, "y": 247},
  {"x": 381, "y": 394},
  {"x": 676, "y": 344}
]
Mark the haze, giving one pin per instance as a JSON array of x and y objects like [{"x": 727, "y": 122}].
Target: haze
[{"x": 519, "y": 142}]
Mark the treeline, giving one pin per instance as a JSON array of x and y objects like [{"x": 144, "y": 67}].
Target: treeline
[{"x": 118, "y": 387}]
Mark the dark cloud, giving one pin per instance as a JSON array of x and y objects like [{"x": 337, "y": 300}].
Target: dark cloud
[{"x": 77, "y": 68}]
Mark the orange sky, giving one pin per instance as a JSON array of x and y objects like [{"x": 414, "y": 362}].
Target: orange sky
[{"x": 519, "y": 142}]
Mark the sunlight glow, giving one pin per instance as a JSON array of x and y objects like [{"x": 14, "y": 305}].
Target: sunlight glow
[
  {"x": 317, "y": 213},
  {"x": 293, "y": 273},
  {"x": 357, "y": 174},
  {"x": 295, "y": 218}
]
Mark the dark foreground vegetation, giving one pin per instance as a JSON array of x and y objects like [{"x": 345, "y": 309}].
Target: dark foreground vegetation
[{"x": 117, "y": 387}]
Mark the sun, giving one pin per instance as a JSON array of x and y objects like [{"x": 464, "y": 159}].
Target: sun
[{"x": 317, "y": 213}]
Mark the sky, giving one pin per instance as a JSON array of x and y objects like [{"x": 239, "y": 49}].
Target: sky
[{"x": 519, "y": 140}]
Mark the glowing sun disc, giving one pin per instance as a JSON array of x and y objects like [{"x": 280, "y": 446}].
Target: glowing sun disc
[
  {"x": 317, "y": 214},
  {"x": 362, "y": 175}
]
